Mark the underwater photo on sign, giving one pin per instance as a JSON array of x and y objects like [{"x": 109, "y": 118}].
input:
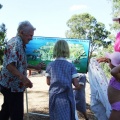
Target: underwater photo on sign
[{"x": 40, "y": 49}]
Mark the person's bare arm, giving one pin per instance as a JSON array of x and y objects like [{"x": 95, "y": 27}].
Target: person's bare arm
[
  {"x": 78, "y": 88},
  {"x": 76, "y": 84},
  {"x": 48, "y": 80},
  {"x": 116, "y": 72},
  {"x": 102, "y": 59},
  {"x": 37, "y": 67},
  {"x": 13, "y": 70}
]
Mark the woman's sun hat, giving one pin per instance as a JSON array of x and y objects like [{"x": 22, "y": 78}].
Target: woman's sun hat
[{"x": 114, "y": 57}]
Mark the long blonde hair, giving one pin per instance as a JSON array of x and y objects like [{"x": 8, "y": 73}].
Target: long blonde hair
[{"x": 61, "y": 49}]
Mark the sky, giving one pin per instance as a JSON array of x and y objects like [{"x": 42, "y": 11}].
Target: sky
[{"x": 49, "y": 17}]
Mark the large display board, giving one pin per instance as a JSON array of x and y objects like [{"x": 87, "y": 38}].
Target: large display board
[{"x": 41, "y": 49}]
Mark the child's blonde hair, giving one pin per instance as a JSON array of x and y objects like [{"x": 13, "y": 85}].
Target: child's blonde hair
[{"x": 61, "y": 49}]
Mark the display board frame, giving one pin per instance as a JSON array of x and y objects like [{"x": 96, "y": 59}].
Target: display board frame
[{"x": 40, "y": 49}]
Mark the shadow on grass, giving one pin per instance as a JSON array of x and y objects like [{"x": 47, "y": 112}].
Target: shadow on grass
[
  {"x": 43, "y": 114},
  {"x": 41, "y": 92},
  {"x": 36, "y": 115},
  {"x": 90, "y": 114}
]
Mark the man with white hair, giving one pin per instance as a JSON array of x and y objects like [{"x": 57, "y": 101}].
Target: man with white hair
[{"x": 13, "y": 78}]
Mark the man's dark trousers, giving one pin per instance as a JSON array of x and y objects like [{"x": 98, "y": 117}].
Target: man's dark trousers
[{"x": 12, "y": 105}]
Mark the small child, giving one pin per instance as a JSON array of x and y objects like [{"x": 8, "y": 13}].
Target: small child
[
  {"x": 114, "y": 85},
  {"x": 80, "y": 96},
  {"x": 61, "y": 74}
]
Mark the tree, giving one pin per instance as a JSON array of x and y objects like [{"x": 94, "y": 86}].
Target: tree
[
  {"x": 2, "y": 39},
  {"x": 85, "y": 26},
  {"x": 115, "y": 13},
  {"x": 105, "y": 66}
]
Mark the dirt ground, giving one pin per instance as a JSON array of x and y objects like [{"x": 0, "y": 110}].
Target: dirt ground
[{"x": 36, "y": 99}]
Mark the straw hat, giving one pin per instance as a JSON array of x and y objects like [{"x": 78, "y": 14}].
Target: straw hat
[{"x": 114, "y": 57}]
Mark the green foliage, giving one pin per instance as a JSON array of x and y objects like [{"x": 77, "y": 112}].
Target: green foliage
[
  {"x": 102, "y": 52},
  {"x": 115, "y": 27},
  {"x": 115, "y": 13},
  {"x": 106, "y": 70},
  {"x": 105, "y": 66},
  {"x": 116, "y": 7},
  {"x": 85, "y": 26},
  {"x": 2, "y": 33},
  {"x": 2, "y": 43},
  {"x": 2, "y": 39},
  {"x": 80, "y": 25}
]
